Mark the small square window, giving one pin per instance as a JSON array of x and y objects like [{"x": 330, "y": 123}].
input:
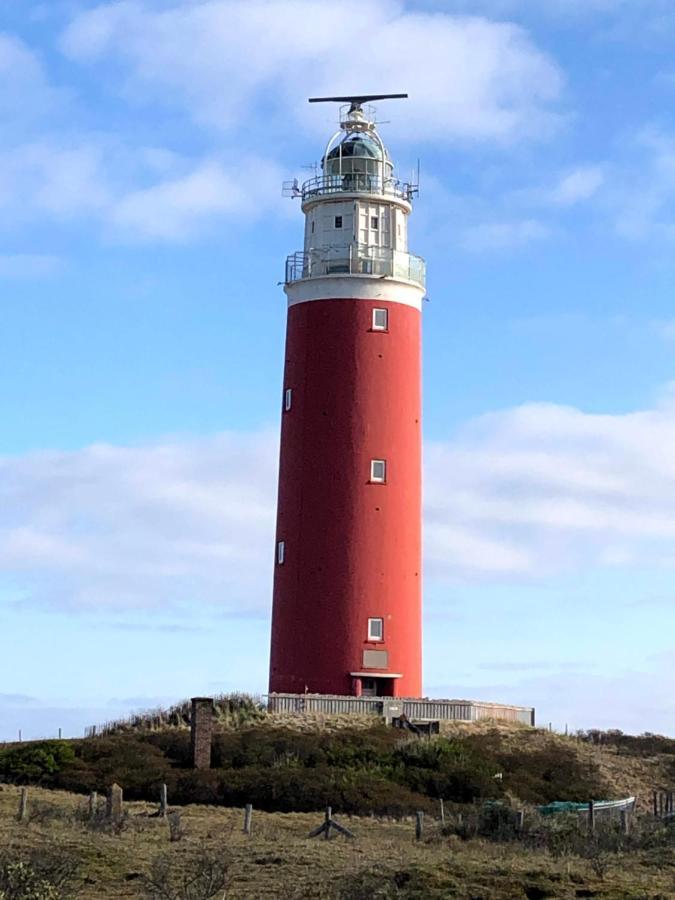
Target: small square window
[
  {"x": 374, "y": 223},
  {"x": 380, "y": 319},
  {"x": 281, "y": 552},
  {"x": 288, "y": 398},
  {"x": 375, "y": 629},
  {"x": 338, "y": 221},
  {"x": 378, "y": 470}
]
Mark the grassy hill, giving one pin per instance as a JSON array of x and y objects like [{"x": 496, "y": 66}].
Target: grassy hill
[{"x": 374, "y": 777}]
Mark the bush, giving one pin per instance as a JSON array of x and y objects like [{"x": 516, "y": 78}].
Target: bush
[
  {"x": 175, "y": 745},
  {"x": 44, "y": 874},
  {"x": 539, "y": 773},
  {"x": 383, "y": 883},
  {"x": 37, "y": 762},
  {"x": 137, "y": 766},
  {"x": 448, "y": 769},
  {"x": 200, "y": 876},
  {"x": 299, "y": 790},
  {"x": 646, "y": 744}
]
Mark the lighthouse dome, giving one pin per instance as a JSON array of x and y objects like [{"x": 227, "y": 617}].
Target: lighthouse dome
[{"x": 357, "y": 153}]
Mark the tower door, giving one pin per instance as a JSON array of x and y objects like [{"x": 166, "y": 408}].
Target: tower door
[
  {"x": 369, "y": 687},
  {"x": 377, "y": 687}
]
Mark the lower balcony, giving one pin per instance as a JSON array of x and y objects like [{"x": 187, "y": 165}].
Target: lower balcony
[{"x": 356, "y": 259}]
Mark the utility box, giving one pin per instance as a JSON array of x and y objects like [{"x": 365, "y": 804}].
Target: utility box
[{"x": 391, "y": 709}]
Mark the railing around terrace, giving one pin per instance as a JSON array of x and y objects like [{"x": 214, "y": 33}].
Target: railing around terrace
[
  {"x": 414, "y": 709},
  {"x": 357, "y": 183},
  {"x": 356, "y": 259}
]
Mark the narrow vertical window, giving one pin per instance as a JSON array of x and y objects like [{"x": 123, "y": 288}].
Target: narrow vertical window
[
  {"x": 378, "y": 470},
  {"x": 380, "y": 319},
  {"x": 374, "y": 223},
  {"x": 338, "y": 221},
  {"x": 375, "y": 629},
  {"x": 288, "y": 399},
  {"x": 281, "y": 553},
  {"x": 312, "y": 226}
]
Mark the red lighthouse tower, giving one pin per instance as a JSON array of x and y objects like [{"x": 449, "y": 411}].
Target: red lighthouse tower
[{"x": 347, "y": 582}]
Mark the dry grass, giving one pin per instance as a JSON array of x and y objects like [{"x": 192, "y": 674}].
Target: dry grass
[{"x": 278, "y": 859}]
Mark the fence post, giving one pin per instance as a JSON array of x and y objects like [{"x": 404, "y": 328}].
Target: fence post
[
  {"x": 655, "y": 803},
  {"x": 419, "y": 825},
  {"x": 115, "y": 804},
  {"x": 625, "y": 826},
  {"x": 23, "y": 805},
  {"x": 163, "y": 801},
  {"x": 248, "y": 813},
  {"x": 93, "y": 801},
  {"x": 175, "y": 827},
  {"x": 442, "y": 813},
  {"x": 520, "y": 821},
  {"x": 591, "y": 816},
  {"x": 329, "y": 816}
]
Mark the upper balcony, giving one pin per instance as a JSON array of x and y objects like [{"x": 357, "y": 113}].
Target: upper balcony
[
  {"x": 358, "y": 259},
  {"x": 356, "y": 183}
]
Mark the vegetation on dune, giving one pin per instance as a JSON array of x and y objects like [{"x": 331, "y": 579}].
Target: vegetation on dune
[
  {"x": 36, "y": 762},
  {"x": 378, "y": 770},
  {"x": 480, "y": 855},
  {"x": 38, "y": 874},
  {"x": 236, "y": 710},
  {"x": 484, "y": 848}
]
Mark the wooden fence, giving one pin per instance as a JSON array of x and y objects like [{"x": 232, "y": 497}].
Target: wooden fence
[{"x": 388, "y": 707}]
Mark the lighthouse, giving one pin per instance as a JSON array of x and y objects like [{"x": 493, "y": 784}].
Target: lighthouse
[{"x": 346, "y": 614}]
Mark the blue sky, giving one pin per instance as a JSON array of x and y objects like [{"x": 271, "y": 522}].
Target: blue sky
[{"x": 142, "y": 238}]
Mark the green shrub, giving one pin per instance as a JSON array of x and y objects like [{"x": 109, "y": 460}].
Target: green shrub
[
  {"x": 541, "y": 772},
  {"x": 448, "y": 769},
  {"x": 41, "y": 874},
  {"x": 646, "y": 744},
  {"x": 175, "y": 745},
  {"x": 127, "y": 760},
  {"x": 38, "y": 761},
  {"x": 298, "y": 790}
]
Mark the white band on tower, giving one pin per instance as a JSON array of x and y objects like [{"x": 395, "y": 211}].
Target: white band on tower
[{"x": 353, "y": 287}]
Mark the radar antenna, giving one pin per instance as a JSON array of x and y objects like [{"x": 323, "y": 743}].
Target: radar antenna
[{"x": 357, "y": 100}]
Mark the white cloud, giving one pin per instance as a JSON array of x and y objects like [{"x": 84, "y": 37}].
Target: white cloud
[
  {"x": 554, "y": 489},
  {"x": 665, "y": 329},
  {"x": 510, "y": 235},
  {"x": 565, "y": 9},
  {"x": 156, "y": 526},
  {"x": 28, "y": 265},
  {"x": 641, "y": 197},
  {"x": 63, "y": 181},
  {"x": 579, "y": 185},
  {"x": 467, "y": 77},
  {"x": 24, "y": 89},
  {"x": 525, "y": 493},
  {"x": 147, "y": 193},
  {"x": 176, "y": 208}
]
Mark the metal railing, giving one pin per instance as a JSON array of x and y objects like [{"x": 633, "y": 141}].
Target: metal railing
[
  {"x": 357, "y": 183},
  {"x": 356, "y": 259}
]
